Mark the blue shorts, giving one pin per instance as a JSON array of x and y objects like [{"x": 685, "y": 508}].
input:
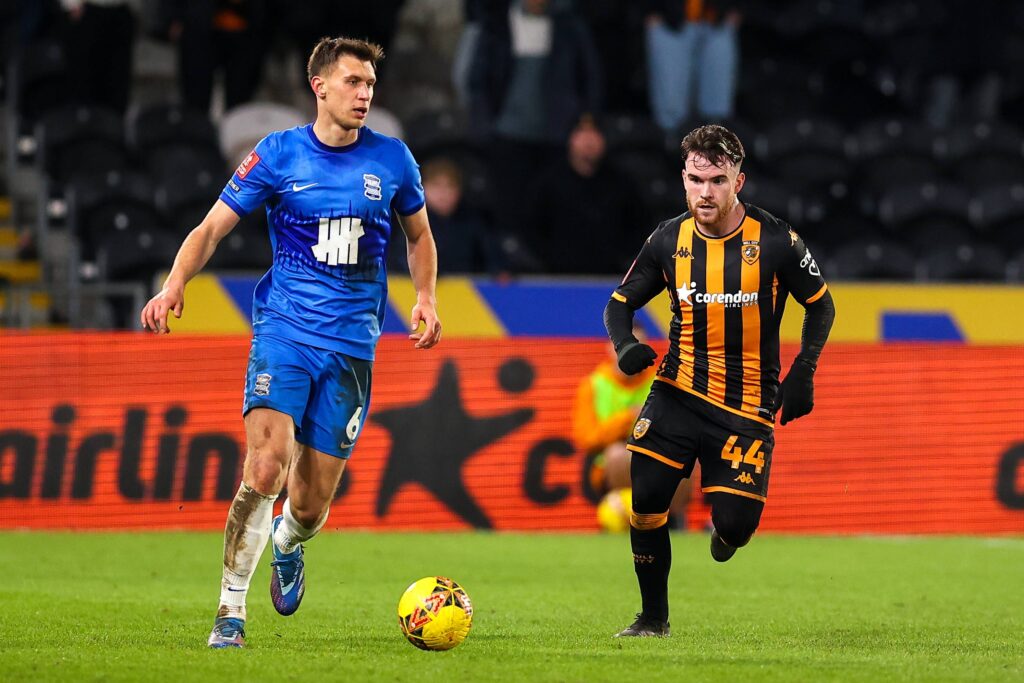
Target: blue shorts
[{"x": 326, "y": 393}]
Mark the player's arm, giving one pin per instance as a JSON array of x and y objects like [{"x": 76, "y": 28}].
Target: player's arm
[
  {"x": 801, "y": 275},
  {"x": 195, "y": 251},
  {"x": 641, "y": 284},
  {"x": 422, "y": 255}
]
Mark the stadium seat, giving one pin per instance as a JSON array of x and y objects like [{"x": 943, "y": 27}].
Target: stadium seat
[
  {"x": 906, "y": 204},
  {"x": 872, "y": 259},
  {"x": 805, "y": 170},
  {"x": 893, "y": 136},
  {"x": 1015, "y": 268},
  {"x": 429, "y": 131},
  {"x": 186, "y": 200},
  {"x": 998, "y": 212},
  {"x": 110, "y": 204},
  {"x": 178, "y": 161},
  {"x": 984, "y": 138},
  {"x": 926, "y": 235},
  {"x": 243, "y": 126},
  {"x": 964, "y": 262},
  {"x": 633, "y": 132},
  {"x": 771, "y": 195},
  {"x": 37, "y": 82},
  {"x": 983, "y": 171},
  {"x": 801, "y": 136},
  {"x": 160, "y": 125},
  {"x": 79, "y": 139},
  {"x": 247, "y": 247},
  {"x": 135, "y": 252}
]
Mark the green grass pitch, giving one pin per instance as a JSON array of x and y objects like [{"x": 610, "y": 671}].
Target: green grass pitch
[{"x": 134, "y": 607}]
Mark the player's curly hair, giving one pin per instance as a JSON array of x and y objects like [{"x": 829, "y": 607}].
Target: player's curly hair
[
  {"x": 328, "y": 50},
  {"x": 715, "y": 143}
]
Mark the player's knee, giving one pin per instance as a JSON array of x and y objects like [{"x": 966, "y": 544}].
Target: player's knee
[
  {"x": 308, "y": 514},
  {"x": 736, "y": 523},
  {"x": 648, "y": 522},
  {"x": 264, "y": 471}
]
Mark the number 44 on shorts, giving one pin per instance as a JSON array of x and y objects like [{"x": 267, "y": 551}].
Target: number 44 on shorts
[{"x": 734, "y": 454}]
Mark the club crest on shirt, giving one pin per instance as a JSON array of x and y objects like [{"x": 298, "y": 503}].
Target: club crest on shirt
[
  {"x": 641, "y": 427},
  {"x": 371, "y": 187},
  {"x": 262, "y": 385},
  {"x": 751, "y": 251},
  {"x": 248, "y": 163}
]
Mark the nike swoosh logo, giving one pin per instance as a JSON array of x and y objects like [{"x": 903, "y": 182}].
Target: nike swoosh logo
[
  {"x": 236, "y": 590},
  {"x": 285, "y": 590},
  {"x": 299, "y": 188}
]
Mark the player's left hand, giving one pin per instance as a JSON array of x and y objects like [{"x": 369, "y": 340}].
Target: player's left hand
[
  {"x": 425, "y": 313},
  {"x": 796, "y": 393}
]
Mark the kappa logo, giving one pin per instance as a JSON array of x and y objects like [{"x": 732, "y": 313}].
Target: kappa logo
[
  {"x": 248, "y": 163},
  {"x": 683, "y": 253},
  {"x": 262, "y": 384},
  {"x": 641, "y": 427},
  {"x": 751, "y": 251},
  {"x": 793, "y": 237},
  {"x": 371, "y": 187},
  {"x": 745, "y": 478}
]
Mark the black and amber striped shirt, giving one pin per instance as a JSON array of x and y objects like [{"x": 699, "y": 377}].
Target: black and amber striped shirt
[{"x": 728, "y": 295}]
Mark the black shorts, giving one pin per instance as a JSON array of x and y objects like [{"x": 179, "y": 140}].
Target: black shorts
[{"x": 678, "y": 429}]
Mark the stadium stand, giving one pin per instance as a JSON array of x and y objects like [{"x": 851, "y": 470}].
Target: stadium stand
[{"x": 835, "y": 104}]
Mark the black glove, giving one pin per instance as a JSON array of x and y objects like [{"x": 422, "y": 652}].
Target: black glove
[
  {"x": 796, "y": 393},
  {"x": 635, "y": 356}
]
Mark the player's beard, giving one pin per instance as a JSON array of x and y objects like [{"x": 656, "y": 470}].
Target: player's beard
[{"x": 719, "y": 216}]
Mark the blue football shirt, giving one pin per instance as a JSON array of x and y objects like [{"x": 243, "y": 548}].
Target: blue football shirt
[{"x": 329, "y": 214}]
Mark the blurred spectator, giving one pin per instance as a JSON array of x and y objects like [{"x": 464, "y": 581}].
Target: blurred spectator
[
  {"x": 464, "y": 243},
  {"x": 311, "y": 20},
  {"x": 100, "y": 39},
  {"x": 212, "y": 35},
  {"x": 692, "y": 50},
  {"x": 606, "y": 407},
  {"x": 963, "y": 85},
  {"x": 618, "y": 31},
  {"x": 583, "y": 211},
  {"x": 535, "y": 72}
]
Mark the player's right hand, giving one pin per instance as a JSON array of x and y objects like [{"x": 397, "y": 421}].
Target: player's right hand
[
  {"x": 635, "y": 357},
  {"x": 154, "y": 313}
]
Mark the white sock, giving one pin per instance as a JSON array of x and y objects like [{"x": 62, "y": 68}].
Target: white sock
[
  {"x": 245, "y": 537},
  {"x": 290, "y": 533}
]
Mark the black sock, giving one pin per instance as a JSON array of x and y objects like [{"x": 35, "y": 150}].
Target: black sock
[{"x": 652, "y": 559}]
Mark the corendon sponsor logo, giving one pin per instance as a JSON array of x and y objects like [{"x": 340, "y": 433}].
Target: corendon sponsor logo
[
  {"x": 690, "y": 296},
  {"x": 248, "y": 163}
]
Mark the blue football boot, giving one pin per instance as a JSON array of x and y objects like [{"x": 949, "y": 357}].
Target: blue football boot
[
  {"x": 227, "y": 632},
  {"x": 287, "y": 577}
]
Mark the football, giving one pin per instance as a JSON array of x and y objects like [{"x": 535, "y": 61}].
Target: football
[
  {"x": 435, "y": 613},
  {"x": 614, "y": 510}
]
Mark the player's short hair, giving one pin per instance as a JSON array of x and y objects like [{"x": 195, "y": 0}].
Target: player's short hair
[
  {"x": 715, "y": 143},
  {"x": 328, "y": 50}
]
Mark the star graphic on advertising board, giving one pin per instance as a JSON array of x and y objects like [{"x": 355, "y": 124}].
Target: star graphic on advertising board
[{"x": 432, "y": 440}]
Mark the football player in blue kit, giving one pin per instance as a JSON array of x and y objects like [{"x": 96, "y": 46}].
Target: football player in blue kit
[{"x": 329, "y": 189}]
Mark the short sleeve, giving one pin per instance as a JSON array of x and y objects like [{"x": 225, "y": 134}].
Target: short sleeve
[
  {"x": 645, "y": 278},
  {"x": 799, "y": 272},
  {"x": 253, "y": 181},
  {"x": 409, "y": 199}
]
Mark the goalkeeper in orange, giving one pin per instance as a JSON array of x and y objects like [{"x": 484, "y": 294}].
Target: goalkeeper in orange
[{"x": 607, "y": 404}]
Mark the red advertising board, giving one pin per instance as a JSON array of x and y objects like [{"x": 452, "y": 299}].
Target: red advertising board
[{"x": 134, "y": 431}]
